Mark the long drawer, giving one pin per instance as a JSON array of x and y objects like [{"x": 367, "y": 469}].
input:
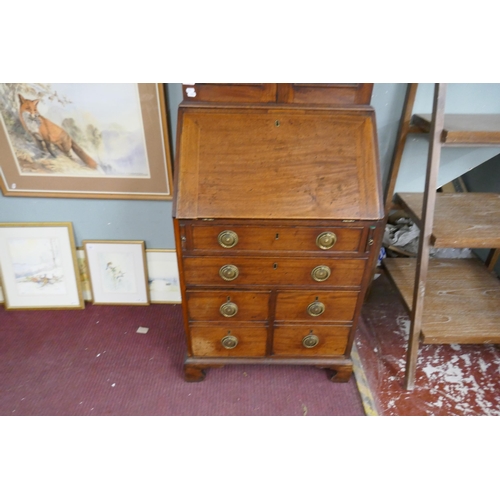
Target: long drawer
[
  {"x": 275, "y": 238},
  {"x": 239, "y": 270}
]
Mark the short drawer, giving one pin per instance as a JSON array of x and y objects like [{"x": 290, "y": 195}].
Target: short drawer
[
  {"x": 324, "y": 340},
  {"x": 246, "y": 271},
  {"x": 219, "y": 341},
  {"x": 276, "y": 239},
  {"x": 226, "y": 305},
  {"x": 315, "y": 306}
]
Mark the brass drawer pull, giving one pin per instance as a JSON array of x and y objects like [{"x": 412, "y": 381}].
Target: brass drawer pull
[
  {"x": 229, "y": 309},
  {"x": 227, "y": 239},
  {"x": 229, "y": 342},
  {"x": 316, "y": 308},
  {"x": 321, "y": 273},
  {"x": 310, "y": 341},
  {"x": 326, "y": 240},
  {"x": 229, "y": 272}
]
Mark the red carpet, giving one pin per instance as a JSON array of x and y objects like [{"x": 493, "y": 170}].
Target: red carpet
[{"x": 92, "y": 362}]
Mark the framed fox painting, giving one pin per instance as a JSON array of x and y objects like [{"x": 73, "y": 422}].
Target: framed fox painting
[{"x": 84, "y": 140}]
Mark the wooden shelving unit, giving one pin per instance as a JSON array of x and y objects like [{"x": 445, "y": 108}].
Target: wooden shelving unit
[{"x": 449, "y": 300}]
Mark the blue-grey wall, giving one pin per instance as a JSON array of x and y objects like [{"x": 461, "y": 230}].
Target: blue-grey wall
[{"x": 151, "y": 221}]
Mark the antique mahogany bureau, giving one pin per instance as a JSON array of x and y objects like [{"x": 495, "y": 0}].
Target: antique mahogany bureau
[{"x": 277, "y": 215}]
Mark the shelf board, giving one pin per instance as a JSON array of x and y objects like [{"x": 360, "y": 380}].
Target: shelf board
[
  {"x": 463, "y": 129},
  {"x": 462, "y": 299},
  {"x": 461, "y": 220}
]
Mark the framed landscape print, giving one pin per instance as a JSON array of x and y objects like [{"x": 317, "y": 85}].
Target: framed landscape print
[
  {"x": 163, "y": 277},
  {"x": 38, "y": 266},
  {"x": 84, "y": 140},
  {"x": 117, "y": 272}
]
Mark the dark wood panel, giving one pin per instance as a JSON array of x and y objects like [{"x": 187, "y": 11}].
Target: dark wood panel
[
  {"x": 325, "y": 93},
  {"x": 230, "y": 92}
]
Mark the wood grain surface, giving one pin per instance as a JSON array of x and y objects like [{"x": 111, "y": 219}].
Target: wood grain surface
[
  {"x": 461, "y": 220},
  {"x": 462, "y": 299}
]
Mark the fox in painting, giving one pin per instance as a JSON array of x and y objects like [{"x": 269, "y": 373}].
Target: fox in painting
[{"x": 47, "y": 133}]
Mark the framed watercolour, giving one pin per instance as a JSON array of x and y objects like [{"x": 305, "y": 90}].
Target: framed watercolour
[
  {"x": 38, "y": 266},
  {"x": 85, "y": 140},
  {"x": 163, "y": 277},
  {"x": 117, "y": 272}
]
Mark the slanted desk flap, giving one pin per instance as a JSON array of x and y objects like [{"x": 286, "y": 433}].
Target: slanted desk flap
[{"x": 278, "y": 163}]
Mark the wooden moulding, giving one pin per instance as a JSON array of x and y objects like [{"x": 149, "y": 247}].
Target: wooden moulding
[
  {"x": 337, "y": 370},
  {"x": 462, "y": 300}
]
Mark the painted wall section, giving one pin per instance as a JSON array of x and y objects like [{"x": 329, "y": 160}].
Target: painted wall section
[{"x": 388, "y": 98}]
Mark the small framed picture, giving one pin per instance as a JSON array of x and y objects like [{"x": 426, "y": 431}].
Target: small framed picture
[
  {"x": 163, "y": 277},
  {"x": 38, "y": 266},
  {"x": 117, "y": 272}
]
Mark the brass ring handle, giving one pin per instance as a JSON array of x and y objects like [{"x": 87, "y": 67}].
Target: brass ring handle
[
  {"x": 229, "y": 309},
  {"x": 326, "y": 240},
  {"x": 229, "y": 272},
  {"x": 321, "y": 273},
  {"x": 229, "y": 342},
  {"x": 310, "y": 341},
  {"x": 227, "y": 239},
  {"x": 316, "y": 308}
]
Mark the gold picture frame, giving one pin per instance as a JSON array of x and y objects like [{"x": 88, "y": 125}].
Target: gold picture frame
[
  {"x": 117, "y": 272},
  {"x": 112, "y": 141},
  {"x": 84, "y": 274},
  {"x": 38, "y": 266}
]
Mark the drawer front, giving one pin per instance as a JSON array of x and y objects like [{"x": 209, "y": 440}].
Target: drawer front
[
  {"x": 206, "y": 271},
  {"x": 227, "y": 305},
  {"x": 210, "y": 341},
  {"x": 316, "y": 306},
  {"x": 324, "y": 340},
  {"x": 277, "y": 239}
]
